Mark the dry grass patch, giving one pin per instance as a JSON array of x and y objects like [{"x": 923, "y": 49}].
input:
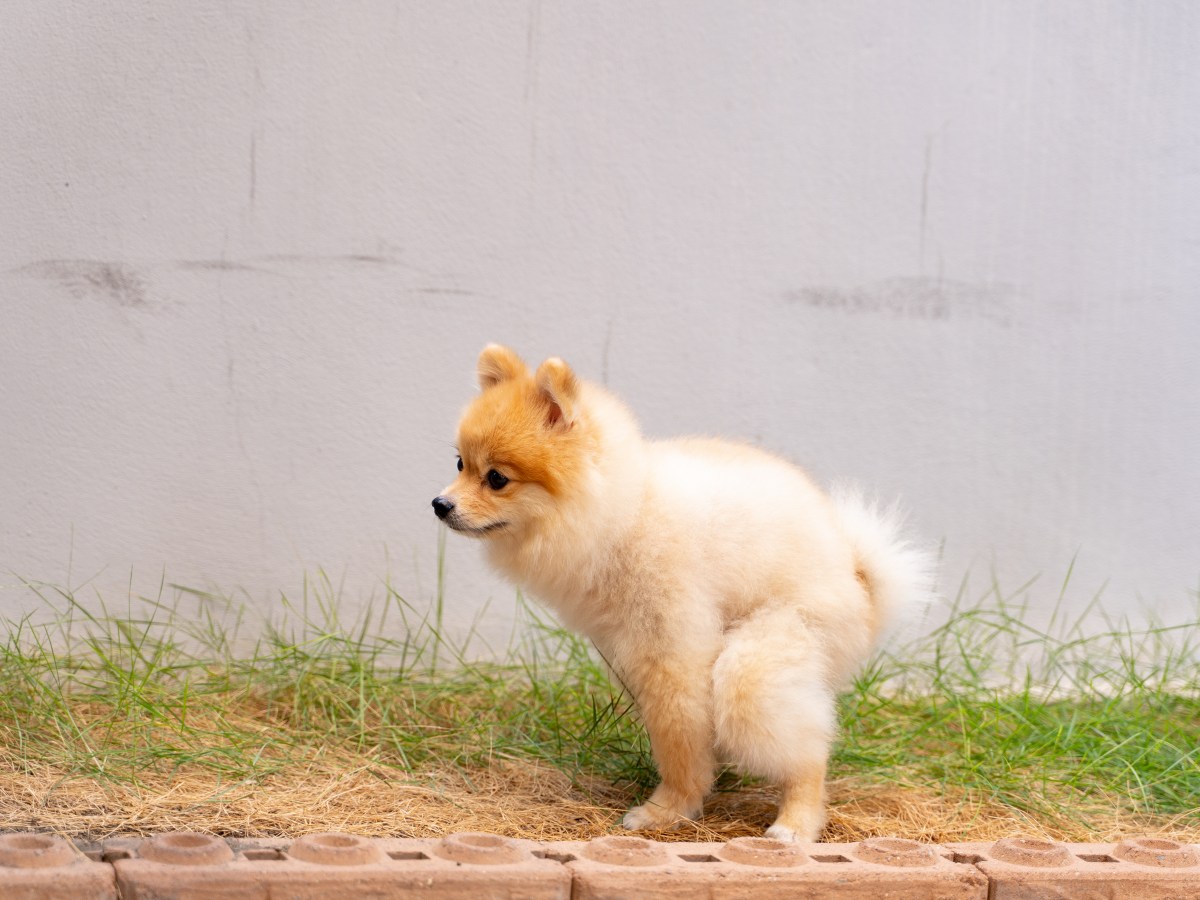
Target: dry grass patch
[{"x": 152, "y": 720}]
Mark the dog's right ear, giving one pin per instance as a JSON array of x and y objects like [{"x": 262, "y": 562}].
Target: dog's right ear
[{"x": 497, "y": 364}]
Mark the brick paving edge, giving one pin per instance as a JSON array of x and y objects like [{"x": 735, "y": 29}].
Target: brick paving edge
[{"x": 183, "y": 865}]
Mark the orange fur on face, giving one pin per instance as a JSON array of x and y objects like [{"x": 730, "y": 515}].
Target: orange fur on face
[
  {"x": 510, "y": 428},
  {"x": 523, "y": 425}
]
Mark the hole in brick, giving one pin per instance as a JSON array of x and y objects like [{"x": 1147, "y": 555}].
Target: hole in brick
[
  {"x": 971, "y": 859},
  {"x": 1158, "y": 844},
  {"x": 484, "y": 841},
  {"x": 761, "y": 851},
  {"x": 263, "y": 854},
  {"x": 35, "y": 851},
  {"x": 407, "y": 855},
  {"x": 480, "y": 849},
  {"x": 835, "y": 858},
  {"x": 332, "y": 848},
  {"x": 1034, "y": 845},
  {"x": 334, "y": 841},
  {"x": 1157, "y": 852},
  {"x": 185, "y": 848},
  {"x": 625, "y": 850},
  {"x": 1034, "y": 852},
  {"x": 557, "y": 857},
  {"x": 901, "y": 852},
  {"x": 111, "y": 856},
  {"x": 1096, "y": 857},
  {"x": 186, "y": 841},
  {"x": 698, "y": 857}
]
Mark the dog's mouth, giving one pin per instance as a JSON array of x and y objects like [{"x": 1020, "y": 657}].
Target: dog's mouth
[{"x": 475, "y": 530}]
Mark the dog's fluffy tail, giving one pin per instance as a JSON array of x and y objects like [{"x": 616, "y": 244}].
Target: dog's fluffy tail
[{"x": 900, "y": 576}]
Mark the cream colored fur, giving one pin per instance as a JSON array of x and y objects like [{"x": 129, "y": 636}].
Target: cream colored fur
[{"x": 731, "y": 596}]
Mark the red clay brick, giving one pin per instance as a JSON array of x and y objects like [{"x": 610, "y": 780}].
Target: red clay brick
[
  {"x": 335, "y": 866},
  {"x": 631, "y": 868},
  {"x": 47, "y": 867},
  {"x": 186, "y": 866},
  {"x": 1137, "y": 869}
]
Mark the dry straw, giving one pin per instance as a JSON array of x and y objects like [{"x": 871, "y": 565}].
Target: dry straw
[{"x": 162, "y": 717}]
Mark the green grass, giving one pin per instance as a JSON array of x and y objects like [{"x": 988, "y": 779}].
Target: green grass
[
  {"x": 1061, "y": 723},
  {"x": 167, "y": 685},
  {"x": 1067, "y": 729}
]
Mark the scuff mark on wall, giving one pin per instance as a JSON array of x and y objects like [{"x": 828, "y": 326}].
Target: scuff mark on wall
[
  {"x": 216, "y": 265},
  {"x": 914, "y": 298},
  {"x": 369, "y": 258},
  {"x": 445, "y": 292},
  {"x": 255, "y": 116},
  {"x": 115, "y": 282},
  {"x": 319, "y": 259}
]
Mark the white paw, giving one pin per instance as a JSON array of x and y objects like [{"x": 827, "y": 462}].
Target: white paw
[
  {"x": 781, "y": 833},
  {"x": 651, "y": 818},
  {"x": 799, "y": 828}
]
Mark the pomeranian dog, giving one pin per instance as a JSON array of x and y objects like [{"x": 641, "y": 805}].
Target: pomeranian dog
[{"x": 731, "y": 596}]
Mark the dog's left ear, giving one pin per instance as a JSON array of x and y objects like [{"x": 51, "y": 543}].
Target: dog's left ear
[{"x": 559, "y": 388}]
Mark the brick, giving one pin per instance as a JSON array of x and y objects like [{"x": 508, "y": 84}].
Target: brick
[
  {"x": 46, "y": 867},
  {"x": 188, "y": 866},
  {"x": 632, "y": 868},
  {"x": 1135, "y": 869},
  {"x": 334, "y": 866}
]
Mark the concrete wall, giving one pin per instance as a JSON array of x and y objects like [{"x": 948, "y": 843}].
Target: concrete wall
[{"x": 950, "y": 249}]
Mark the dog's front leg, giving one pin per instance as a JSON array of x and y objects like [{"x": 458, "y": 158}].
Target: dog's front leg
[{"x": 675, "y": 702}]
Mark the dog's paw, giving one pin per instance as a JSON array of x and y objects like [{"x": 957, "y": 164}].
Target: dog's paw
[
  {"x": 651, "y": 817},
  {"x": 798, "y": 828}
]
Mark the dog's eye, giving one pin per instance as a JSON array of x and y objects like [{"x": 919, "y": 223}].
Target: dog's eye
[
  {"x": 460, "y": 464},
  {"x": 496, "y": 480}
]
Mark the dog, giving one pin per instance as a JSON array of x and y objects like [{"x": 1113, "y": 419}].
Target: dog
[{"x": 730, "y": 595}]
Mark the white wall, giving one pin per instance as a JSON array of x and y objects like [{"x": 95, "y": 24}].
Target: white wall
[{"x": 250, "y": 251}]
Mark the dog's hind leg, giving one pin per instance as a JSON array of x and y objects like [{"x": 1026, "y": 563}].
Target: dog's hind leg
[{"x": 775, "y": 715}]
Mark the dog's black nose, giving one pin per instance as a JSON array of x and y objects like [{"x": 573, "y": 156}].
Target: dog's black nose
[{"x": 442, "y": 507}]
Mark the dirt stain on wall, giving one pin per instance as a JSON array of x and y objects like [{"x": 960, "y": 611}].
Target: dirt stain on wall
[
  {"x": 913, "y": 298},
  {"x": 115, "y": 282}
]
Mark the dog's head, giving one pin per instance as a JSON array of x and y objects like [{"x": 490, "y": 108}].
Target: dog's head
[{"x": 520, "y": 446}]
